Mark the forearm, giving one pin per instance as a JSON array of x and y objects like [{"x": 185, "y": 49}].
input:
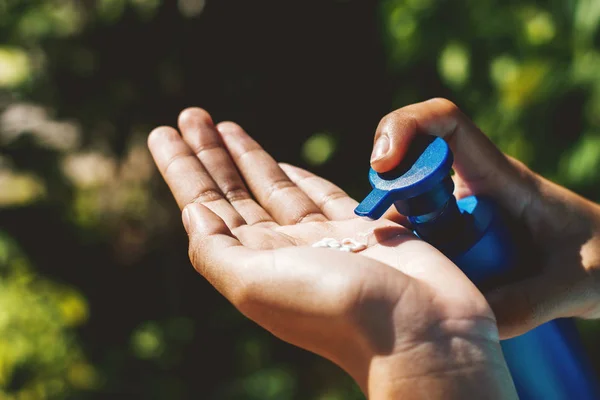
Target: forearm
[{"x": 458, "y": 369}]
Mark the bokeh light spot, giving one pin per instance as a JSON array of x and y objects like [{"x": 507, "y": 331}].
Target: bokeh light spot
[
  {"x": 191, "y": 8},
  {"x": 17, "y": 189},
  {"x": 401, "y": 23},
  {"x": 586, "y": 66},
  {"x": 147, "y": 341},
  {"x": 453, "y": 64},
  {"x": 518, "y": 147},
  {"x": 67, "y": 17},
  {"x": 27, "y": 118},
  {"x": 503, "y": 70},
  {"x": 15, "y": 67},
  {"x": 63, "y": 18},
  {"x": 319, "y": 148},
  {"x": 110, "y": 10},
  {"x": 73, "y": 308},
  {"x": 540, "y": 28},
  {"x": 270, "y": 384},
  {"x": 88, "y": 170},
  {"x": 582, "y": 164},
  {"x": 83, "y": 376},
  {"x": 522, "y": 88}
]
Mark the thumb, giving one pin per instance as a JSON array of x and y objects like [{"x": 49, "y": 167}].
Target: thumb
[{"x": 479, "y": 164}]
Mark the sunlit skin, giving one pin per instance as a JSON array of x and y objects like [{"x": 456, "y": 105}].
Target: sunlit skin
[
  {"x": 564, "y": 226},
  {"x": 399, "y": 317}
]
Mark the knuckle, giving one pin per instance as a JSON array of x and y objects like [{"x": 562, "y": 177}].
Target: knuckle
[
  {"x": 330, "y": 197},
  {"x": 392, "y": 123},
  {"x": 234, "y": 194},
  {"x": 172, "y": 164},
  {"x": 207, "y": 195},
  {"x": 247, "y": 152},
  {"x": 309, "y": 217},
  {"x": 202, "y": 148},
  {"x": 387, "y": 123},
  {"x": 447, "y": 105},
  {"x": 278, "y": 185}
]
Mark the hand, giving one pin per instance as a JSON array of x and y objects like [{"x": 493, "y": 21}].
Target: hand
[
  {"x": 397, "y": 311},
  {"x": 565, "y": 227}
]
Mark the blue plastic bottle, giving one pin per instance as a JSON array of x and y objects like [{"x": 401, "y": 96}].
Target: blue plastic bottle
[{"x": 546, "y": 363}]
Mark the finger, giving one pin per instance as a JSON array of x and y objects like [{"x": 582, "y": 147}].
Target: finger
[
  {"x": 270, "y": 185},
  {"x": 333, "y": 201},
  {"x": 199, "y": 132},
  {"x": 393, "y": 215},
  {"x": 214, "y": 251},
  {"x": 188, "y": 180},
  {"x": 477, "y": 161}
]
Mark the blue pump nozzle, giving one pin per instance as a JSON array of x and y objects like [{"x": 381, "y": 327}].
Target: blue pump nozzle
[{"x": 418, "y": 186}]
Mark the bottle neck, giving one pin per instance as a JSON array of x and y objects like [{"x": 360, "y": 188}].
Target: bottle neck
[{"x": 445, "y": 228}]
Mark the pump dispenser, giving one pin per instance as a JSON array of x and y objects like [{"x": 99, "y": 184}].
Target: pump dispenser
[{"x": 548, "y": 362}]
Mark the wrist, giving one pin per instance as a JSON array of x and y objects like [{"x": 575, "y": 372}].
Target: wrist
[{"x": 445, "y": 366}]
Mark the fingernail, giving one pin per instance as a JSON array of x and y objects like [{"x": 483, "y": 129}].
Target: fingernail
[
  {"x": 382, "y": 145},
  {"x": 185, "y": 216}
]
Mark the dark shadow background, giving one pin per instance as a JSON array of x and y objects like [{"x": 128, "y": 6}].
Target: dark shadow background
[{"x": 100, "y": 298}]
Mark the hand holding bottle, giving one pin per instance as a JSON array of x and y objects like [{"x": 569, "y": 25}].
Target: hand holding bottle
[{"x": 565, "y": 227}]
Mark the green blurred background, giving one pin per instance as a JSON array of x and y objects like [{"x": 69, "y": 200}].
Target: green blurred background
[{"x": 97, "y": 297}]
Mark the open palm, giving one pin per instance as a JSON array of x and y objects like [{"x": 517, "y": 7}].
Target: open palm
[{"x": 252, "y": 222}]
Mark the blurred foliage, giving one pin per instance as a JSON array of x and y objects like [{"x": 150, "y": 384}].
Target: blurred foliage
[
  {"x": 39, "y": 354},
  {"x": 97, "y": 298}
]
